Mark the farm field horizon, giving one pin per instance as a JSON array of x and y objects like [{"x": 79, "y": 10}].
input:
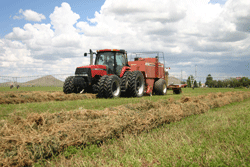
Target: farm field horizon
[
  {"x": 190, "y": 102},
  {"x": 52, "y": 99}
]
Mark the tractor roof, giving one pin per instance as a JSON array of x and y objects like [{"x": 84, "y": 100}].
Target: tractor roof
[{"x": 111, "y": 50}]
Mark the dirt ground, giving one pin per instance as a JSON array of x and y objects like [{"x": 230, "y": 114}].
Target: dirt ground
[{"x": 40, "y": 96}]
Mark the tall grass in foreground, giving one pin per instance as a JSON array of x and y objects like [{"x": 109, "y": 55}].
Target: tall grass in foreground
[
  {"x": 219, "y": 137},
  {"x": 41, "y": 136}
]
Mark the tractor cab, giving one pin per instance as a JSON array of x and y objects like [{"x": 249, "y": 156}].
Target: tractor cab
[{"x": 113, "y": 59}]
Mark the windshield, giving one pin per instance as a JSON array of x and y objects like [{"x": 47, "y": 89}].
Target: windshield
[{"x": 105, "y": 58}]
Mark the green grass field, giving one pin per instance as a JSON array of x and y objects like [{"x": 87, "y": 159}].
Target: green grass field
[
  {"x": 5, "y": 89},
  {"x": 98, "y": 104},
  {"x": 219, "y": 137}
]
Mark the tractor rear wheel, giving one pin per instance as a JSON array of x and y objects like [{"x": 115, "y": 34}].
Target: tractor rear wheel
[
  {"x": 124, "y": 82},
  {"x": 101, "y": 87},
  {"x": 113, "y": 87},
  {"x": 136, "y": 84},
  {"x": 68, "y": 86},
  {"x": 160, "y": 87}
]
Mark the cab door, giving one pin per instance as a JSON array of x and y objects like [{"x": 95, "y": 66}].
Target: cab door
[{"x": 120, "y": 62}]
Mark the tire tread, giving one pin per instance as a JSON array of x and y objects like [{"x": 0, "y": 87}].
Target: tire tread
[
  {"x": 101, "y": 86},
  {"x": 158, "y": 86},
  {"x": 131, "y": 84},
  {"x": 68, "y": 86},
  {"x": 108, "y": 86}
]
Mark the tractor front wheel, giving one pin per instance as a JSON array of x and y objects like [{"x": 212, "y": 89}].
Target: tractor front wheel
[
  {"x": 113, "y": 87},
  {"x": 160, "y": 87},
  {"x": 136, "y": 84},
  {"x": 101, "y": 87},
  {"x": 68, "y": 86}
]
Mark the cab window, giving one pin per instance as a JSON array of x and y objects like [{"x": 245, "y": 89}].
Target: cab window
[
  {"x": 106, "y": 58},
  {"x": 120, "y": 62}
]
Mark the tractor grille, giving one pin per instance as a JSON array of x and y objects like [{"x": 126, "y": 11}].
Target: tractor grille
[{"x": 84, "y": 72}]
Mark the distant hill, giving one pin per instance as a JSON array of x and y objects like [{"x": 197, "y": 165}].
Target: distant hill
[
  {"x": 5, "y": 84},
  {"x": 48, "y": 80},
  {"x": 174, "y": 80}
]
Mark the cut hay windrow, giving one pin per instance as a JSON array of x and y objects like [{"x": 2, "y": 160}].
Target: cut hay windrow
[
  {"x": 40, "y": 96},
  {"x": 40, "y": 136}
]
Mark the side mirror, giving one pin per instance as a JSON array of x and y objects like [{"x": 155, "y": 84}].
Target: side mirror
[{"x": 85, "y": 54}]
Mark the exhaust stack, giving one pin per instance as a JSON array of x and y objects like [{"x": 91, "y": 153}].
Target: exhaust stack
[{"x": 91, "y": 57}]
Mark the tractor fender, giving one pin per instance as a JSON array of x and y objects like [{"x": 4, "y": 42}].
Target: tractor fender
[{"x": 124, "y": 69}]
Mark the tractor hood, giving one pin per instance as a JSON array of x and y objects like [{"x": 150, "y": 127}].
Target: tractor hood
[
  {"x": 91, "y": 71},
  {"x": 94, "y": 67}
]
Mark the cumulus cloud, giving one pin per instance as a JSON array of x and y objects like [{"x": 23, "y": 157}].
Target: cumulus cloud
[
  {"x": 184, "y": 63},
  {"x": 188, "y": 32},
  {"x": 239, "y": 14},
  {"x": 63, "y": 19},
  {"x": 30, "y": 15}
]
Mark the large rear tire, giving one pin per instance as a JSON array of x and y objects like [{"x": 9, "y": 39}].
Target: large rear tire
[
  {"x": 124, "y": 83},
  {"x": 160, "y": 87},
  {"x": 101, "y": 86},
  {"x": 136, "y": 84},
  {"x": 68, "y": 86},
  {"x": 113, "y": 87}
]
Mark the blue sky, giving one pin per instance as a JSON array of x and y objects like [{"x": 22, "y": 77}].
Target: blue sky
[
  {"x": 51, "y": 36},
  {"x": 85, "y": 8},
  {"x": 10, "y": 8}
]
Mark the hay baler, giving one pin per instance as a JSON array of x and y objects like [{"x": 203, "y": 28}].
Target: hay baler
[
  {"x": 112, "y": 75},
  {"x": 153, "y": 72},
  {"x": 176, "y": 88}
]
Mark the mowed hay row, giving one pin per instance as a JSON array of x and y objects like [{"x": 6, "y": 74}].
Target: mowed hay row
[
  {"x": 24, "y": 141},
  {"x": 40, "y": 96}
]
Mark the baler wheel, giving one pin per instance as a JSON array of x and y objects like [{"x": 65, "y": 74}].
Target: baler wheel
[
  {"x": 124, "y": 82},
  {"x": 68, "y": 86},
  {"x": 136, "y": 84},
  {"x": 178, "y": 91},
  {"x": 112, "y": 87},
  {"x": 160, "y": 87},
  {"x": 101, "y": 87}
]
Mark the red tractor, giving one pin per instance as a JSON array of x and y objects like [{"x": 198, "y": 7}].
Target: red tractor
[{"x": 113, "y": 76}]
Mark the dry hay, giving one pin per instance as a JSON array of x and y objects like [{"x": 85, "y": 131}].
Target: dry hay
[
  {"x": 24, "y": 141},
  {"x": 40, "y": 96}
]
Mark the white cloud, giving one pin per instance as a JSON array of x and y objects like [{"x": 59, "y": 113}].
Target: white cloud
[
  {"x": 188, "y": 32},
  {"x": 30, "y": 15},
  {"x": 33, "y": 16},
  {"x": 184, "y": 63},
  {"x": 238, "y": 12},
  {"x": 63, "y": 19},
  {"x": 13, "y": 53}
]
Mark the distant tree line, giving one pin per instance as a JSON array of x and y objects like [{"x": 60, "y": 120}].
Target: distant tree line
[
  {"x": 231, "y": 83},
  {"x": 191, "y": 82}
]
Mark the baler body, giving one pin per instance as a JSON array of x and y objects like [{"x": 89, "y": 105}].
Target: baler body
[{"x": 151, "y": 68}]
